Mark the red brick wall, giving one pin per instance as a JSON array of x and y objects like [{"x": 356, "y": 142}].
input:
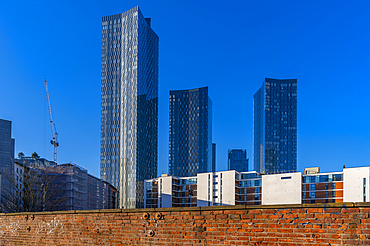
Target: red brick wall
[{"x": 317, "y": 224}]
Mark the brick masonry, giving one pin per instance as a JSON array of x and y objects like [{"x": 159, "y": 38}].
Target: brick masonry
[{"x": 313, "y": 224}]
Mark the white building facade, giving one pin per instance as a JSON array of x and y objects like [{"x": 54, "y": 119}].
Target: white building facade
[
  {"x": 251, "y": 188},
  {"x": 205, "y": 189}
]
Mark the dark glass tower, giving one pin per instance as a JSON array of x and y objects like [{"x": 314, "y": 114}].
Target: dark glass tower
[
  {"x": 6, "y": 153},
  {"x": 190, "y": 134},
  {"x": 237, "y": 160},
  {"x": 213, "y": 157},
  {"x": 129, "y": 105},
  {"x": 275, "y": 126},
  {"x": 6, "y": 146}
]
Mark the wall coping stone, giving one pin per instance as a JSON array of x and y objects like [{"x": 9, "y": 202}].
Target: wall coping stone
[{"x": 211, "y": 208}]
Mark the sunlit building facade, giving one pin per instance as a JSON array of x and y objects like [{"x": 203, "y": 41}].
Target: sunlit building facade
[
  {"x": 275, "y": 126},
  {"x": 322, "y": 188},
  {"x": 251, "y": 188},
  {"x": 204, "y": 189},
  {"x": 129, "y": 104},
  {"x": 190, "y": 133}
]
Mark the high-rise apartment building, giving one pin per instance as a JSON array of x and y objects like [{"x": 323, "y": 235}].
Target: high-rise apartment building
[
  {"x": 190, "y": 133},
  {"x": 129, "y": 104},
  {"x": 6, "y": 146},
  {"x": 275, "y": 126},
  {"x": 6, "y": 153},
  {"x": 237, "y": 160}
]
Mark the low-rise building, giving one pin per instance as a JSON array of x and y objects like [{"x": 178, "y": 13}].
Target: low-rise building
[
  {"x": 80, "y": 190},
  {"x": 205, "y": 189},
  {"x": 252, "y": 188},
  {"x": 66, "y": 186},
  {"x": 28, "y": 161},
  {"x": 323, "y": 187}
]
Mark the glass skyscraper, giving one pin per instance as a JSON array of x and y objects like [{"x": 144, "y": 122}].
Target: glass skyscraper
[
  {"x": 6, "y": 154},
  {"x": 190, "y": 133},
  {"x": 237, "y": 160},
  {"x": 129, "y": 104},
  {"x": 213, "y": 157},
  {"x": 6, "y": 146},
  {"x": 275, "y": 126}
]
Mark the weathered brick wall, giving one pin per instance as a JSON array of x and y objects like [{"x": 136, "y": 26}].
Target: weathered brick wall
[{"x": 320, "y": 224}]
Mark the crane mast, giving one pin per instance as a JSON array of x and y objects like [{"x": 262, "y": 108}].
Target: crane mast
[{"x": 54, "y": 133}]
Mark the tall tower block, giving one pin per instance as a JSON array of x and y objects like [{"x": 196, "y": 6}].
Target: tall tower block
[
  {"x": 129, "y": 104},
  {"x": 275, "y": 126},
  {"x": 190, "y": 133}
]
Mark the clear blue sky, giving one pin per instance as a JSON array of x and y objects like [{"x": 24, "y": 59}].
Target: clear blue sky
[{"x": 229, "y": 46}]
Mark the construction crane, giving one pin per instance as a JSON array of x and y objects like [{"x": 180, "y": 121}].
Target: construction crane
[{"x": 54, "y": 133}]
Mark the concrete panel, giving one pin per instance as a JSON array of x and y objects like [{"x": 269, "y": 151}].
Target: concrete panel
[
  {"x": 353, "y": 184},
  {"x": 228, "y": 187},
  {"x": 282, "y": 188},
  {"x": 202, "y": 188}
]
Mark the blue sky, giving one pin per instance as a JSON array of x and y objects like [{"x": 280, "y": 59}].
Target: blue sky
[{"x": 229, "y": 46}]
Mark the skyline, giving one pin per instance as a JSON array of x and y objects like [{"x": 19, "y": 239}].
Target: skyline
[{"x": 323, "y": 45}]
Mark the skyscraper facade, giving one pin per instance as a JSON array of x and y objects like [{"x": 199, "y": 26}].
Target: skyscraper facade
[
  {"x": 6, "y": 146},
  {"x": 6, "y": 153},
  {"x": 190, "y": 133},
  {"x": 129, "y": 104},
  {"x": 275, "y": 126},
  {"x": 213, "y": 157},
  {"x": 237, "y": 160}
]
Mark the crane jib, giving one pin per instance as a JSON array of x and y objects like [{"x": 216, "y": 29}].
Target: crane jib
[{"x": 54, "y": 133}]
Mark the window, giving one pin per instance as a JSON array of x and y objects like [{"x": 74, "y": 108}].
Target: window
[
  {"x": 364, "y": 189},
  {"x": 337, "y": 177},
  {"x": 323, "y": 178},
  {"x": 312, "y": 194},
  {"x": 249, "y": 176}
]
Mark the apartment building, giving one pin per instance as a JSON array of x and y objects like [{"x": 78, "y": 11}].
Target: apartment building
[{"x": 252, "y": 188}]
